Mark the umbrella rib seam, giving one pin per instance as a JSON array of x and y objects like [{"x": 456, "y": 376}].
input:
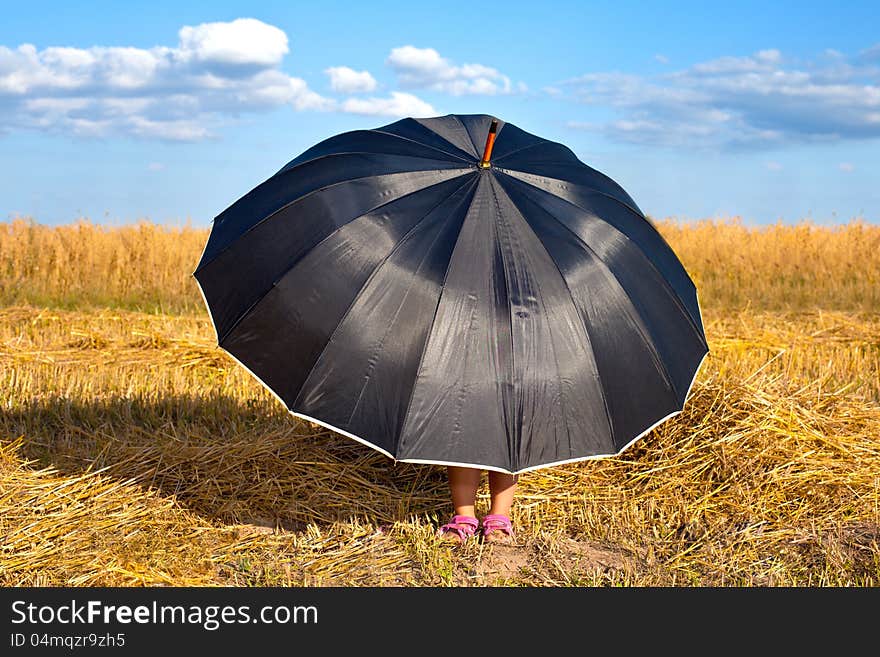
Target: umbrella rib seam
[
  {"x": 392, "y": 320},
  {"x": 287, "y": 168},
  {"x": 367, "y": 282},
  {"x": 631, "y": 204},
  {"x": 434, "y": 148},
  {"x": 525, "y": 148},
  {"x": 586, "y": 332},
  {"x": 324, "y": 188},
  {"x": 512, "y": 172},
  {"x": 468, "y": 133},
  {"x": 473, "y": 154},
  {"x": 678, "y": 300},
  {"x": 643, "y": 331},
  {"x": 324, "y": 239},
  {"x": 431, "y": 325},
  {"x": 517, "y": 420}
]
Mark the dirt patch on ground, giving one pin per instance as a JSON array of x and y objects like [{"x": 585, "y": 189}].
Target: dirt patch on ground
[
  {"x": 557, "y": 560},
  {"x": 502, "y": 562},
  {"x": 581, "y": 555}
]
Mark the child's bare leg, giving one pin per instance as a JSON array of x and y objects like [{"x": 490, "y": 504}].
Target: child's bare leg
[
  {"x": 463, "y": 484},
  {"x": 502, "y": 487}
]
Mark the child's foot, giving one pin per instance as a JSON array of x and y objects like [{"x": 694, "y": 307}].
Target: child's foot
[
  {"x": 459, "y": 529},
  {"x": 497, "y": 528}
]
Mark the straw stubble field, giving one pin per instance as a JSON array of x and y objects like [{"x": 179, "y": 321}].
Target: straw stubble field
[{"x": 134, "y": 452}]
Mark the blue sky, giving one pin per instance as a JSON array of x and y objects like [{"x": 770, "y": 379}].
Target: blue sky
[{"x": 172, "y": 110}]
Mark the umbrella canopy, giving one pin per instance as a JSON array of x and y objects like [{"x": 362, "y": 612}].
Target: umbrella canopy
[{"x": 400, "y": 287}]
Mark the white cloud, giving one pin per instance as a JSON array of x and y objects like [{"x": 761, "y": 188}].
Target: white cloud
[
  {"x": 125, "y": 68},
  {"x": 348, "y": 81},
  {"x": 424, "y": 68},
  {"x": 398, "y": 104},
  {"x": 177, "y": 130},
  {"x": 773, "y": 166},
  {"x": 663, "y": 59},
  {"x": 755, "y": 101},
  {"x": 871, "y": 53},
  {"x": 244, "y": 41},
  {"x": 764, "y": 60},
  {"x": 846, "y": 167},
  {"x": 175, "y": 93},
  {"x": 272, "y": 88},
  {"x": 155, "y": 166},
  {"x": 583, "y": 125}
]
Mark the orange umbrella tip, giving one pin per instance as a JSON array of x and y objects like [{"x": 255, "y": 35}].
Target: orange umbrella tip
[{"x": 490, "y": 142}]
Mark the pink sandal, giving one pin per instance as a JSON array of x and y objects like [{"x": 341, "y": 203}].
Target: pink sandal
[
  {"x": 460, "y": 528},
  {"x": 497, "y": 523}
]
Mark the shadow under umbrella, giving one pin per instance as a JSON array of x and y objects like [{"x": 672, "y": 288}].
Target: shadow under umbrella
[{"x": 227, "y": 460}]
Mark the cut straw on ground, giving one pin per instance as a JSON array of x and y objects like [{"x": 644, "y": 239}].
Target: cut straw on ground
[{"x": 137, "y": 453}]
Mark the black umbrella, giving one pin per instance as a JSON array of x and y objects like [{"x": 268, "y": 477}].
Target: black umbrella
[{"x": 442, "y": 307}]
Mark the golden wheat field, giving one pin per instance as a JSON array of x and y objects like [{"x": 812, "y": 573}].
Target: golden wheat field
[{"x": 133, "y": 451}]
